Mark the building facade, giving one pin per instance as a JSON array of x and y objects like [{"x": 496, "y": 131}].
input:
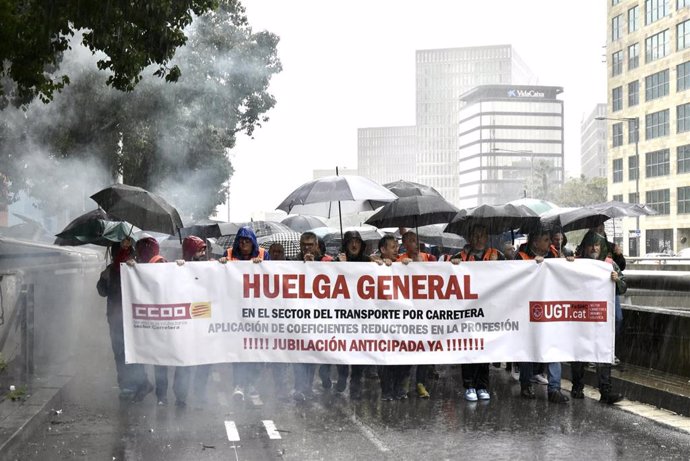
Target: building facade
[
  {"x": 510, "y": 143},
  {"x": 443, "y": 75},
  {"x": 648, "y": 64},
  {"x": 593, "y": 148},
  {"x": 387, "y": 154}
]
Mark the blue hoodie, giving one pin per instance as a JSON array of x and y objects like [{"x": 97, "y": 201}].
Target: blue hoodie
[{"x": 246, "y": 232}]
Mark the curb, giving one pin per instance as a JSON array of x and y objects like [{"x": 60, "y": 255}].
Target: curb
[
  {"x": 628, "y": 381},
  {"x": 21, "y": 420}
]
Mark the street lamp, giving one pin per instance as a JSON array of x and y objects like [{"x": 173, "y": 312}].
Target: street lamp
[
  {"x": 531, "y": 169},
  {"x": 637, "y": 161}
]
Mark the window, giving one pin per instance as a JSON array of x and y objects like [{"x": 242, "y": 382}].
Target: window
[
  {"x": 633, "y": 131},
  {"x": 659, "y": 200},
  {"x": 617, "y": 134},
  {"x": 632, "y": 19},
  {"x": 618, "y": 170},
  {"x": 683, "y": 35},
  {"x": 657, "y": 46},
  {"x": 683, "y": 76},
  {"x": 683, "y": 118},
  {"x": 617, "y": 99},
  {"x": 633, "y": 56},
  {"x": 632, "y": 168},
  {"x": 657, "y": 163},
  {"x": 616, "y": 63},
  {"x": 656, "y": 124},
  {"x": 656, "y": 85},
  {"x": 655, "y": 10},
  {"x": 633, "y": 197},
  {"x": 684, "y": 199},
  {"x": 683, "y": 156},
  {"x": 617, "y": 198},
  {"x": 682, "y": 4},
  {"x": 633, "y": 93},
  {"x": 616, "y": 27},
  {"x": 615, "y": 2}
]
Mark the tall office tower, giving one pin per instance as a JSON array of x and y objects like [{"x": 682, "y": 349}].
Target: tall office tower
[
  {"x": 593, "y": 144},
  {"x": 648, "y": 50},
  {"x": 510, "y": 143},
  {"x": 387, "y": 154},
  {"x": 443, "y": 75}
]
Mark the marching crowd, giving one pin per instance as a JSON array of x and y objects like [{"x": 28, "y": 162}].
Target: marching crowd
[{"x": 397, "y": 381}]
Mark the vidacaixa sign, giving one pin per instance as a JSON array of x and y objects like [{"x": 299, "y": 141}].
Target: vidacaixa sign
[{"x": 525, "y": 93}]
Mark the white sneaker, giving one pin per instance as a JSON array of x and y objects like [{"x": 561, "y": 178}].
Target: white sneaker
[
  {"x": 471, "y": 395},
  {"x": 238, "y": 394},
  {"x": 483, "y": 394},
  {"x": 515, "y": 373},
  {"x": 539, "y": 379}
]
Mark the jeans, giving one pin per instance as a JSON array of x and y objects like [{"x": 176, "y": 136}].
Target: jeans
[
  {"x": 130, "y": 377},
  {"x": 475, "y": 375},
  {"x": 304, "y": 377},
  {"x": 603, "y": 376},
  {"x": 553, "y": 371},
  {"x": 180, "y": 382}
]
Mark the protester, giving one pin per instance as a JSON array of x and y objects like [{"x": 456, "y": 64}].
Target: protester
[
  {"x": 475, "y": 376},
  {"x": 131, "y": 378},
  {"x": 193, "y": 249},
  {"x": 353, "y": 250},
  {"x": 508, "y": 251},
  {"x": 538, "y": 248},
  {"x": 276, "y": 252},
  {"x": 245, "y": 248},
  {"x": 413, "y": 253},
  {"x": 559, "y": 241},
  {"x": 392, "y": 377},
  {"x": 591, "y": 247},
  {"x": 148, "y": 252}
]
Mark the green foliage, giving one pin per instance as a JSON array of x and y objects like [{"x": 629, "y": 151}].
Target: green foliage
[
  {"x": 581, "y": 191},
  {"x": 19, "y": 393},
  {"x": 131, "y": 34},
  {"x": 171, "y": 139}
]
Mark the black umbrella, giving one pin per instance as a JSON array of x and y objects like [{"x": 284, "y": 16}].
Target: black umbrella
[
  {"x": 403, "y": 188},
  {"x": 617, "y": 209},
  {"x": 302, "y": 223},
  {"x": 414, "y": 211},
  {"x": 570, "y": 219},
  {"x": 210, "y": 230},
  {"x": 140, "y": 207},
  {"x": 98, "y": 213},
  {"x": 496, "y": 218},
  {"x": 435, "y": 235}
]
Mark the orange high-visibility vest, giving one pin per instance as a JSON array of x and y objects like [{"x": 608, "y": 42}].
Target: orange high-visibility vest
[
  {"x": 157, "y": 259},
  {"x": 261, "y": 254},
  {"x": 487, "y": 255}
]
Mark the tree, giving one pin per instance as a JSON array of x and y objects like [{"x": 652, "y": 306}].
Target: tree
[
  {"x": 131, "y": 34},
  {"x": 581, "y": 191},
  {"x": 171, "y": 139}
]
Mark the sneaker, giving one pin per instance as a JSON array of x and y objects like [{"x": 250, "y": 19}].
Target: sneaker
[
  {"x": 539, "y": 379},
  {"x": 386, "y": 397},
  {"x": 616, "y": 361},
  {"x": 162, "y": 401},
  {"x": 577, "y": 394},
  {"x": 471, "y": 395},
  {"x": 527, "y": 391},
  {"x": 557, "y": 397},
  {"x": 127, "y": 394},
  {"x": 422, "y": 393},
  {"x": 325, "y": 375},
  {"x": 180, "y": 403},
  {"x": 610, "y": 398},
  {"x": 483, "y": 394},
  {"x": 238, "y": 394},
  {"x": 299, "y": 396},
  {"x": 143, "y": 391},
  {"x": 515, "y": 373},
  {"x": 401, "y": 394}
]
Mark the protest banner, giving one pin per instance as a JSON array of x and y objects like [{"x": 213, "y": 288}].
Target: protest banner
[{"x": 363, "y": 313}]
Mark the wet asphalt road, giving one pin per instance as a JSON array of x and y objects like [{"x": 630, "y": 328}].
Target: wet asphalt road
[{"x": 94, "y": 425}]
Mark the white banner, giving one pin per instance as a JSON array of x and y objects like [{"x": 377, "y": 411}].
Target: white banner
[{"x": 363, "y": 313}]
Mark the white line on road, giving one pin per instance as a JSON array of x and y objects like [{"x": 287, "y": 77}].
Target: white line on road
[
  {"x": 231, "y": 429},
  {"x": 369, "y": 434},
  {"x": 271, "y": 429}
]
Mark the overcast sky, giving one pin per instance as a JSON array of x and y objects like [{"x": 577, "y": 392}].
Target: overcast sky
[{"x": 348, "y": 65}]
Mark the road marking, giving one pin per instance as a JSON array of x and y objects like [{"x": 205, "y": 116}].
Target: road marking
[
  {"x": 369, "y": 434},
  {"x": 231, "y": 429},
  {"x": 271, "y": 429}
]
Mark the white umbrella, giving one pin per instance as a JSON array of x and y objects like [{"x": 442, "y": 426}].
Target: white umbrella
[{"x": 346, "y": 194}]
